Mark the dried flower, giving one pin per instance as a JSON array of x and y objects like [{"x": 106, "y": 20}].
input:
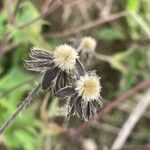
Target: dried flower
[
  {"x": 87, "y": 45},
  {"x": 84, "y": 97},
  {"x": 56, "y": 66},
  {"x": 65, "y": 57},
  {"x": 88, "y": 87}
]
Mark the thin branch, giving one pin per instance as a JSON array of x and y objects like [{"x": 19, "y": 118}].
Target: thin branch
[
  {"x": 107, "y": 8},
  {"x": 137, "y": 147},
  {"x": 128, "y": 108},
  {"x": 113, "y": 130},
  {"x": 131, "y": 121},
  {"x": 43, "y": 110},
  {"x": 86, "y": 26},
  {"x": 17, "y": 7},
  {"x": 22, "y": 106},
  {"x": 43, "y": 15},
  {"x": 107, "y": 127},
  {"x": 53, "y": 7},
  {"x": 9, "y": 46},
  {"x": 103, "y": 57},
  {"x": 47, "y": 143},
  {"x": 106, "y": 109},
  {"x": 11, "y": 17},
  {"x": 142, "y": 23}
]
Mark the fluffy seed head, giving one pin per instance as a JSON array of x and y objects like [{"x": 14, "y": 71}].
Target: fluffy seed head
[
  {"x": 88, "y": 44},
  {"x": 88, "y": 86},
  {"x": 65, "y": 57}
]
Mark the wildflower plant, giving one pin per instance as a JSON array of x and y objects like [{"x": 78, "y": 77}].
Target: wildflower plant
[{"x": 64, "y": 73}]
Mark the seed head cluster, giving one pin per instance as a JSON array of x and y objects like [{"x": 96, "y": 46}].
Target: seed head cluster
[
  {"x": 88, "y": 87},
  {"x": 88, "y": 44},
  {"x": 67, "y": 78},
  {"x": 65, "y": 74},
  {"x": 65, "y": 57}
]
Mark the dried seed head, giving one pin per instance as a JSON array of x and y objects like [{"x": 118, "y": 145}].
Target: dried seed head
[
  {"x": 88, "y": 86},
  {"x": 88, "y": 44},
  {"x": 65, "y": 57}
]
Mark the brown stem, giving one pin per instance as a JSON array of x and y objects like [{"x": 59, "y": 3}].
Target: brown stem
[
  {"x": 17, "y": 7},
  {"x": 43, "y": 14},
  {"x": 86, "y": 26}
]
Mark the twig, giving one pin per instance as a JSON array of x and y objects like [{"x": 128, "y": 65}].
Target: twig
[
  {"x": 137, "y": 147},
  {"x": 43, "y": 113},
  {"x": 128, "y": 108},
  {"x": 17, "y": 7},
  {"x": 47, "y": 143},
  {"x": 86, "y": 26},
  {"x": 83, "y": 10},
  {"x": 9, "y": 47},
  {"x": 22, "y": 106},
  {"x": 103, "y": 57},
  {"x": 11, "y": 17},
  {"x": 106, "y": 109},
  {"x": 142, "y": 23},
  {"x": 46, "y": 5},
  {"x": 107, "y": 127},
  {"x": 44, "y": 14},
  {"x": 113, "y": 130},
  {"x": 131, "y": 121},
  {"x": 107, "y": 8}
]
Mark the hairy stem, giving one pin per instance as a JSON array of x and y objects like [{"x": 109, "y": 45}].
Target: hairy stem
[{"x": 22, "y": 106}]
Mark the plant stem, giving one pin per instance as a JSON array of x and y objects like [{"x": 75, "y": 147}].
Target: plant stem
[{"x": 21, "y": 107}]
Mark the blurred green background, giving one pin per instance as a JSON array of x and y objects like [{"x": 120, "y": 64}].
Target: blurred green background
[{"x": 122, "y": 31}]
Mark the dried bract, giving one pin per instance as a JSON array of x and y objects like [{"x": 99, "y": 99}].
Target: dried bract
[
  {"x": 84, "y": 97},
  {"x": 56, "y": 66}
]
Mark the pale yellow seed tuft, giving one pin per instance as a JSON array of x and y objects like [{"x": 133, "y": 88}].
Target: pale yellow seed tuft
[
  {"x": 65, "y": 57},
  {"x": 88, "y": 87},
  {"x": 88, "y": 44}
]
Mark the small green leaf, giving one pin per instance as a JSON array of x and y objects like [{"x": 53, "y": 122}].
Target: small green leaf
[
  {"x": 13, "y": 78},
  {"x": 110, "y": 34},
  {"x": 24, "y": 138},
  {"x": 133, "y": 5}
]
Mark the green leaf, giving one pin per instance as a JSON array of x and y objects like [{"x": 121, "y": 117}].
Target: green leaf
[
  {"x": 19, "y": 55},
  {"x": 21, "y": 134},
  {"x": 136, "y": 61},
  {"x": 27, "y": 123},
  {"x": 54, "y": 42},
  {"x": 28, "y": 13},
  {"x": 110, "y": 34},
  {"x": 32, "y": 33},
  {"x": 132, "y": 5},
  {"x": 24, "y": 138},
  {"x": 13, "y": 78}
]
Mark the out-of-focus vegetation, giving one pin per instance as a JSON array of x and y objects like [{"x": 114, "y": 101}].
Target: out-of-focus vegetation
[{"x": 123, "y": 46}]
